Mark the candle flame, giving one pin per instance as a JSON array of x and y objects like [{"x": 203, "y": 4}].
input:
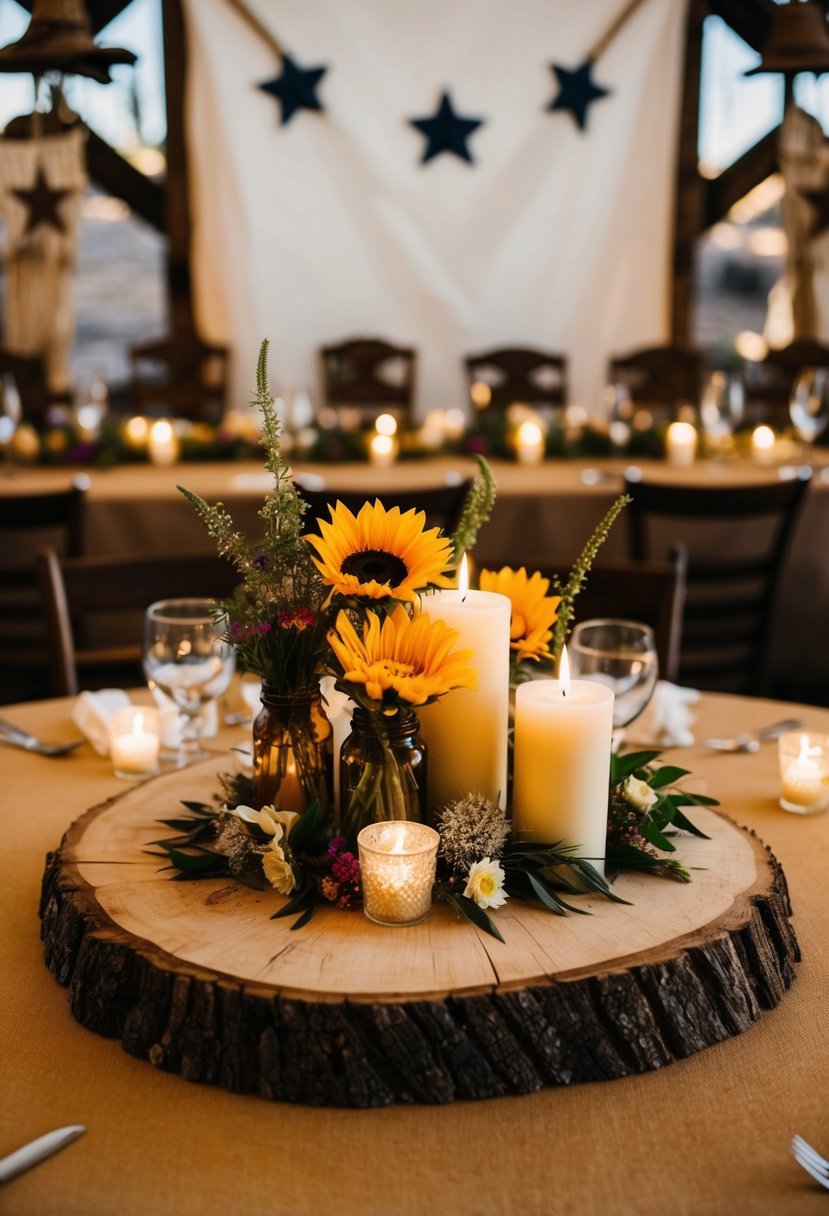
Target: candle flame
[
  {"x": 398, "y": 838},
  {"x": 463, "y": 578},
  {"x": 564, "y": 672}
]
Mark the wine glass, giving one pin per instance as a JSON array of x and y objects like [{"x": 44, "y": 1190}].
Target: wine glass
[
  {"x": 809, "y": 405},
  {"x": 188, "y": 657},
  {"x": 622, "y": 656},
  {"x": 722, "y": 406},
  {"x": 11, "y": 412}
]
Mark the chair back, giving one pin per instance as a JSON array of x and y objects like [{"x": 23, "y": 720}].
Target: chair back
[
  {"x": 652, "y": 592},
  {"x": 769, "y": 382},
  {"x": 737, "y": 539},
  {"x": 442, "y": 505},
  {"x": 94, "y": 609},
  {"x": 180, "y": 377},
  {"x": 659, "y": 376},
  {"x": 28, "y": 521},
  {"x": 369, "y": 375},
  {"x": 519, "y": 374}
]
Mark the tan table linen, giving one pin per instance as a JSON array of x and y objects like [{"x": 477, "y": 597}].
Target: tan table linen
[
  {"x": 706, "y": 1135},
  {"x": 543, "y": 513}
]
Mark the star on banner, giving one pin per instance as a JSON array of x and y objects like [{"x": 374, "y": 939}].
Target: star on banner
[
  {"x": 446, "y": 131},
  {"x": 42, "y": 201},
  {"x": 576, "y": 91},
  {"x": 295, "y": 88},
  {"x": 819, "y": 201}
]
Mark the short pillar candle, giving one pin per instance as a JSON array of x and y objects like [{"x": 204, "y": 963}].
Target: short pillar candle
[
  {"x": 681, "y": 443},
  {"x": 134, "y": 742},
  {"x": 563, "y": 731},
  {"x": 397, "y": 870}
]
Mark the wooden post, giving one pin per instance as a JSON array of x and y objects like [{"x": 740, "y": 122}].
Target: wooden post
[
  {"x": 690, "y": 193},
  {"x": 181, "y": 322}
]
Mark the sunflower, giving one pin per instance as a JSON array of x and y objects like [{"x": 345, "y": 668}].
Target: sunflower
[
  {"x": 380, "y": 554},
  {"x": 401, "y": 659},
  {"x": 533, "y": 610}
]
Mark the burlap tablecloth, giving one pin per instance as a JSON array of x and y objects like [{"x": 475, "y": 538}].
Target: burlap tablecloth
[{"x": 707, "y": 1135}]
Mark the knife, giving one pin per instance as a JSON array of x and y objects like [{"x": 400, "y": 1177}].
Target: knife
[{"x": 38, "y": 1150}]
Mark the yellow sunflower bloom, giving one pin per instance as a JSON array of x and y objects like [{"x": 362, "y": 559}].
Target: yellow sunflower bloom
[
  {"x": 379, "y": 554},
  {"x": 533, "y": 611},
  {"x": 399, "y": 659}
]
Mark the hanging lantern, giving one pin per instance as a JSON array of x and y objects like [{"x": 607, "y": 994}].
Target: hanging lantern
[
  {"x": 798, "y": 41},
  {"x": 59, "y": 39}
]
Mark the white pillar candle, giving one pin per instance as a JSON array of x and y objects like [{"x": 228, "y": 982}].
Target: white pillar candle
[
  {"x": 466, "y": 731},
  {"x": 162, "y": 443},
  {"x": 762, "y": 445},
  {"x": 529, "y": 443},
  {"x": 382, "y": 450},
  {"x": 563, "y": 730},
  {"x": 680, "y": 443},
  {"x": 133, "y": 745}
]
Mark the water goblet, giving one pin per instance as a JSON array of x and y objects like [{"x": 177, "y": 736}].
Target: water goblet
[
  {"x": 622, "y": 656},
  {"x": 809, "y": 405},
  {"x": 11, "y": 412},
  {"x": 722, "y": 406},
  {"x": 188, "y": 657}
]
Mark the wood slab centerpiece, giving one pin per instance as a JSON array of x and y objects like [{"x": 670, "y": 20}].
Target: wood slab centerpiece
[{"x": 196, "y": 977}]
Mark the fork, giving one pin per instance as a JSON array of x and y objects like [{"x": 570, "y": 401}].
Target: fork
[
  {"x": 750, "y": 740},
  {"x": 15, "y": 736},
  {"x": 811, "y": 1161}
]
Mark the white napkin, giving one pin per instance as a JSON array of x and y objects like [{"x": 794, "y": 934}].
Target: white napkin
[
  {"x": 92, "y": 711},
  {"x": 667, "y": 719}
]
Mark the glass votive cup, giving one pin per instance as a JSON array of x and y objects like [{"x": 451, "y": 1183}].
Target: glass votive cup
[
  {"x": 397, "y": 867},
  {"x": 134, "y": 742},
  {"x": 804, "y": 772}
]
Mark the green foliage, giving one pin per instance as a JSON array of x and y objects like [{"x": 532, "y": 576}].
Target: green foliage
[{"x": 578, "y": 574}]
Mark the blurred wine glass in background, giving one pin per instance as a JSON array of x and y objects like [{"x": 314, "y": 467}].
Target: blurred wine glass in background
[
  {"x": 722, "y": 407},
  {"x": 809, "y": 406},
  {"x": 11, "y": 412}
]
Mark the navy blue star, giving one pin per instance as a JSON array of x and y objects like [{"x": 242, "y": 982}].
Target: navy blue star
[
  {"x": 576, "y": 91},
  {"x": 446, "y": 131},
  {"x": 296, "y": 88}
]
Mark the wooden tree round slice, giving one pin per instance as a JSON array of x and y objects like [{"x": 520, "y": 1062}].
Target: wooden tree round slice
[{"x": 196, "y": 978}]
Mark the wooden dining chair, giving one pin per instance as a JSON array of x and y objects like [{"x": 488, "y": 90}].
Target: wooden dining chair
[
  {"x": 180, "y": 377},
  {"x": 737, "y": 539},
  {"x": 370, "y": 376},
  {"x": 659, "y": 376},
  {"x": 28, "y": 521},
  {"x": 94, "y": 608},
  {"x": 652, "y": 592},
  {"x": 519, "y": 374},
  {"x": 770, "y": 381},
  {"x": 442, "y": 505}
]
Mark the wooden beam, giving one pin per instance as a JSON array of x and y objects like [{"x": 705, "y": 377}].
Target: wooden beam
[
  {"x": 101, "y": 12},
  {"x": 177, "y": 210},
  {"x": 119, "y": 177},
  {"x": 750, "y": 19},
  {"x": 734, "y": 183},
  {"x": 688, "y": 208}
]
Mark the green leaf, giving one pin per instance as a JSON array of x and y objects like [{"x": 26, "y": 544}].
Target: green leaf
[
  {"x": 305, "y": 837},
  {"x": 666, "y": 775},
  {"x": 682, "y": 821},
  {"x": 551, "y": 901},
  {"x": 652, "y": 834},
  {"x": 200, "y": 808},
  {"x": 683, "y": 798},
  {"x": 624, "y": 766},
  {"x": 467, "y": 908}
]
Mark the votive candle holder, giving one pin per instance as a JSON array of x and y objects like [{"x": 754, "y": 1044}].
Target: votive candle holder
[
  {"x": 397, "y": 867},
  {"x": 804, "y": 772},
  {"x": 134, "y": 742}
]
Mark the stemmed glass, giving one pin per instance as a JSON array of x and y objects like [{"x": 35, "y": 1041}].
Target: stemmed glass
[
  {"x": 11, "y": 411},
  {"x": 622, "y": 656},
  {"x": 809, "y": 405},
  {"x": 188, "y": 657},
  {"x": 721, "y": 408}
]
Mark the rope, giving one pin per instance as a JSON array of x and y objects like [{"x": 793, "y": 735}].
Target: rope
[
  {"x": 256, "y": 25},
  {"x": 604, "y": 42}
]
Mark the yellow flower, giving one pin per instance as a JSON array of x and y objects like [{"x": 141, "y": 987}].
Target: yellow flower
[
  {"x": 411, "y": 658},
  {"x": 380, "y": 553},
  {"x": 278, "y": 871},
  {"x": 533, "y": 610}
]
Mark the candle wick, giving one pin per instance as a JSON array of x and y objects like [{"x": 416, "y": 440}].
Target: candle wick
[{"x": 564, "y": 692}]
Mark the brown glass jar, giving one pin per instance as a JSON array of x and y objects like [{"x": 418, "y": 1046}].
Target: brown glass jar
[
  {"x": 292, "y": 750},
  {"x": 382, "y": 771}
]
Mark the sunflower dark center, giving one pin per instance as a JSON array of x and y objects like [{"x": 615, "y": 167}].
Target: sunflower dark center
[{"x": 376, "y": 565}]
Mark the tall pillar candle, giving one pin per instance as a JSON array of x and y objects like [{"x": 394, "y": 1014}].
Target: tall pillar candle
[
  {"x": 466, "y": 731},
  {"x": 563, "y": 730}
]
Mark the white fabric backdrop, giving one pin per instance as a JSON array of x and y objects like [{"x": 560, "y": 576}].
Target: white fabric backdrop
[{"x": 328, "y": 227}]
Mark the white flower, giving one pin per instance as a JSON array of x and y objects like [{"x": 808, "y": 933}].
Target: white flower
[
  {"x": 270, "y": 821},
  {"x": 639, "y": 794},
  {"x": 485, "y": 884},
  {"x": 278, "y": 871}
]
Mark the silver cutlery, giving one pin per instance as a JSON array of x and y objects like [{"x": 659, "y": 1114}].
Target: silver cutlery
[
  {"x": 38, "y": 1150},
  {"x": 811, "y": 1161},
  {"x": 750, "y": 740},
  {"x": 15, "y": 736}
]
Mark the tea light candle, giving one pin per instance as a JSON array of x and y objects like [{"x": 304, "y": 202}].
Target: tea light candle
[
  {"x": 133, "y": 747},
  {"x": 466, "y": 731},
  {"x": 162, "y": 443},
  {"x": 762, "y": 445},
  {"x": 681, "y": 443},
  {"x": 563, "y": 730},
  {"x": 397, "y": 868},
  {"x": 529, "y": 443},
  {"x": 382, "y": 450},
  {"x": 804, "y": 772}
]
